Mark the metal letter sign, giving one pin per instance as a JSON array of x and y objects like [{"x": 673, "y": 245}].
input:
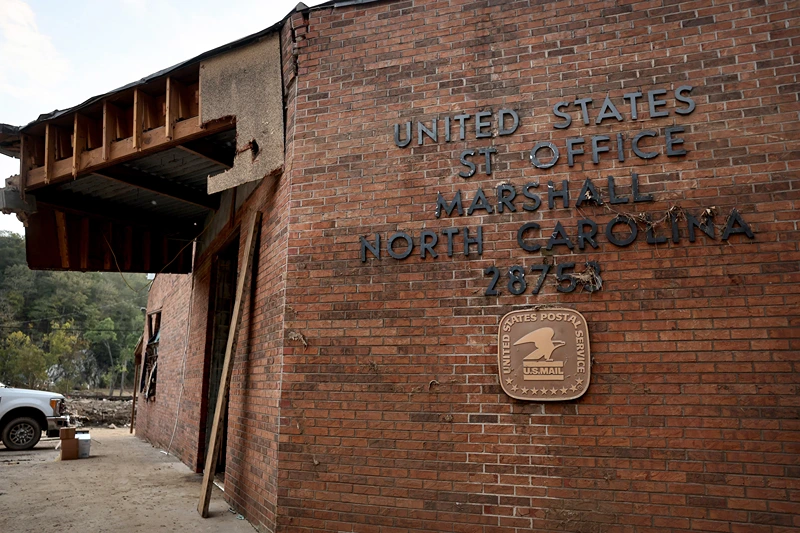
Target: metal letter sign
[{"x": 543, "y": 354}]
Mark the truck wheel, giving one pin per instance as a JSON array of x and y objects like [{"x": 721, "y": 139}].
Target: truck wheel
[{"x": 22, "y": 433}]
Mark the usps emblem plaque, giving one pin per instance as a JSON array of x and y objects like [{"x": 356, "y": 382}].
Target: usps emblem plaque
[{"x": 543, "y": 354}]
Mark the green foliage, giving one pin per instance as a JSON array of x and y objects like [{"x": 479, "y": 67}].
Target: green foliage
[
  {"x": 81, "y": 328},
  {"x": 22, "y": 363}
]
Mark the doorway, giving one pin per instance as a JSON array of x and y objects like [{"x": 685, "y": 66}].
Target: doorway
[{"x": 223, "y": 294}]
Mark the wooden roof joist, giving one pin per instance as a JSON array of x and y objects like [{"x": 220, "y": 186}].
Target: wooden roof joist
[
  {"x": 64, "y": 239},
  {"x": 121, "y": 214},
  {"x": 113, "y": 152}
]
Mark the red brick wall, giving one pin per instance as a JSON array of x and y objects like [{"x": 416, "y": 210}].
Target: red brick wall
[
  {"x": 392, "y": 418},
  {"x": 156, "y": 420},
  {"x": 251, "y": 475}
]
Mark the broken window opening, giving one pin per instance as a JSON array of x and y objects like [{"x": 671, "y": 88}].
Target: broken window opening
[{"x": 150, "y": 365}]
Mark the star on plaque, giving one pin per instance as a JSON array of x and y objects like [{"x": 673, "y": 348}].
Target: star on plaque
[
  {"x": 563, "y": 390},
  {"x": 534, "y": 391},
  {"x": 509, "y": 381},
  {"x": 514, "y": 387},
  {"x": 580, "y": 381},
  {"x": 573, "y": 388},
  {"x": 524, "y": 390},
  {"x": 553, "y": 390}
]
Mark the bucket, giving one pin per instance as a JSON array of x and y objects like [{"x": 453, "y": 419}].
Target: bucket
[{"x": 84, "y": 445}]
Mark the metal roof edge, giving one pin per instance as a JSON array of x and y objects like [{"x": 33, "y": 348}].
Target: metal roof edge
[
  {"x": 9, "y": 140},
  {"x": 205, "y": 55}
]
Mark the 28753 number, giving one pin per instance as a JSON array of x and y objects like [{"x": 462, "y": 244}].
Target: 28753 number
[{"x": 517, "y": 284}]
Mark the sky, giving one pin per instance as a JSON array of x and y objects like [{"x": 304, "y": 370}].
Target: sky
[{"x": 56, "y": 54}]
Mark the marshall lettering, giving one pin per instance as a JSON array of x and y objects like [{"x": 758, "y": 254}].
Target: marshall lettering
[{"x": 543, "y": 234}]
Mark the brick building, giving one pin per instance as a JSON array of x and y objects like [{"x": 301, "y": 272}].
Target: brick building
[{"x": 435, "y": 165}]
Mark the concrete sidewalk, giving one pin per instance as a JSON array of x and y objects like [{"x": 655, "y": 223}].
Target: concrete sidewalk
[{"x": 127, "y": 485}]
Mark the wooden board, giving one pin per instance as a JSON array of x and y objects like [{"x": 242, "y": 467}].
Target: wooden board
[
  {"x": 212, "y": 453},
  {"x": 120, "y": 151}
]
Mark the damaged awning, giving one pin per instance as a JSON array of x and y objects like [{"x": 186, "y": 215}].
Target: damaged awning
[
  {"x": 9, "y": 140},
  {"x": 127, "y": 180}
]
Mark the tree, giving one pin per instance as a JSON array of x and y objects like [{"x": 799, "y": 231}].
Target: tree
[
  {"x": 65, "y": 356},
  {"x": 104, "y": 335},
  {"x": 40, "y": 304},
  {"x": 22, "y": 363}
]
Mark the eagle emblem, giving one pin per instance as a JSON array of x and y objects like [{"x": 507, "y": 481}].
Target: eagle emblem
[{"x": 542, "y": 339}]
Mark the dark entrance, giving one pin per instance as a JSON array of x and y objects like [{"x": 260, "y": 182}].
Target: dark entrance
[{"x": 223, "y": 293}]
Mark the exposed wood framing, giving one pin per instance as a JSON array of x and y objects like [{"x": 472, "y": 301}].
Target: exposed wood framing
[
  {"x": 87, "y": 248},
  {"x": 84, "y": 243},
  {"x": 148, "y": 182},
  {"x": 212, "y": 453},
  {"x": 177, "y": 106},
  {"x": 77, "y": 204},
  {"x": 110, "y": 114},
  {"x": 121, "y": 150},
  {"x": 138, "y": 118},
  {"x": 108, "y": 234},
  {"x": 63, "y": 244},
  {"x": 80, "y": 137},
  {"x": 49, "y": 153}
]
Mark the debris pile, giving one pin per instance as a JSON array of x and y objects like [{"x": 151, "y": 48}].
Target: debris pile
[{"x": 99, "y": 411}]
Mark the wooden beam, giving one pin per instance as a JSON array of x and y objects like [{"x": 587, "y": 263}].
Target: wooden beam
[
  {"x": 49, "y": 152},
  {"x": 148, "y": 182},
  {"x": 84, "y": 243},
  {"x": 108, "y": 211},
  {"x": 153, "y": 141},
  {"x": 138, "y": 118},
  {"x": 174, "y": 102},
  {"x": 110, "y": 117},
  {"x": 212, "y": 453},
  {"x": 63, "y": 244},
  {"x": 212, "y": 152},
  {"x": 108, "y": 241},
  {"x": 79, "y": 140},
  {"x": 135, "y": 394}
]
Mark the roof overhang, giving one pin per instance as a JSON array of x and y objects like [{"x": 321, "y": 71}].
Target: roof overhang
[
  {"x": 121, "y": 181},
  {"x": 9, "y": 140}
]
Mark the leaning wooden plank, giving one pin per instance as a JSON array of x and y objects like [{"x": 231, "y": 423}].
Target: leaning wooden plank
[
  {"x": 212, "y": 453},
  {"x": 137, "y": 359}
]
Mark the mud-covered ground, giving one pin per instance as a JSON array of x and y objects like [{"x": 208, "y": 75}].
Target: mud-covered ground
[
  {"x": 99, "y": 412},
  {"x": 125, "y": 486}
]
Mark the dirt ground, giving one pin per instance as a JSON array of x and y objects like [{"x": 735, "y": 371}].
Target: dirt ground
[{"x": 126, "y": 485}]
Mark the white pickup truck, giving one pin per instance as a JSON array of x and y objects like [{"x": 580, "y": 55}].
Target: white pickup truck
[{"x": 24, "y": 414}]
